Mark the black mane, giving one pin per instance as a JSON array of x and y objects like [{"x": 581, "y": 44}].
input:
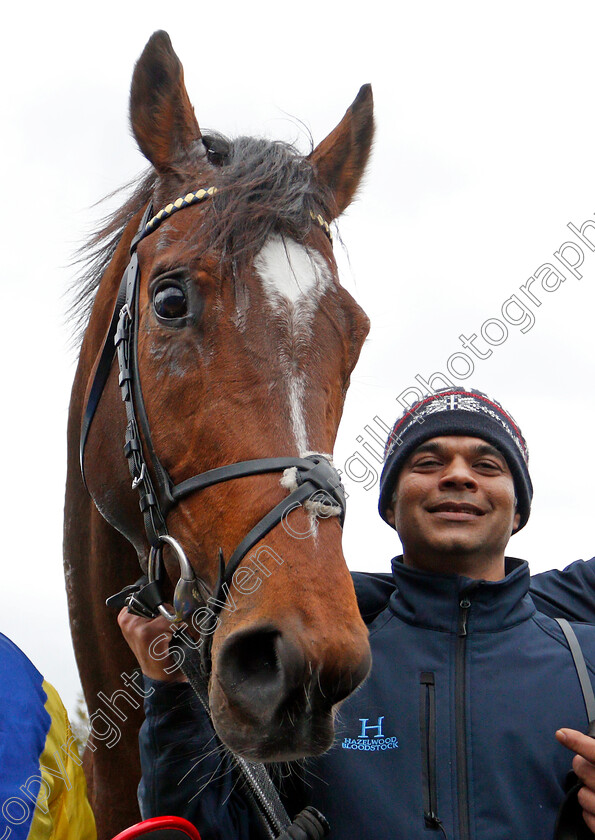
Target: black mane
[{"x": 96, "y": 254}]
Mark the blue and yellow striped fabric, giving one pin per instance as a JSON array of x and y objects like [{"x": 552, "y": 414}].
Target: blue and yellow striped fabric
[{"x": 43, "y": 794}]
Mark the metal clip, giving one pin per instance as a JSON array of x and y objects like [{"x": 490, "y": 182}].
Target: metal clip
[{"x": 137, "y": 480}]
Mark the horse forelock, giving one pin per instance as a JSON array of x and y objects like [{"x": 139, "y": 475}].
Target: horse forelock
[{"x": 264, "y": 187}]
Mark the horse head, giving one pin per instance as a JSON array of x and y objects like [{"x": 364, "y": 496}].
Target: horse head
[{"x": 245, "y": 345}]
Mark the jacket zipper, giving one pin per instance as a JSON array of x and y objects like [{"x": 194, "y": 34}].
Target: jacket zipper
[
  {"x": 461, "y": 723},
  {"x": 427, "y": 722}
]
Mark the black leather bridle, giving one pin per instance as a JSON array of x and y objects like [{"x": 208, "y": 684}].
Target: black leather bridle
[{"x": 315, "y": 477}]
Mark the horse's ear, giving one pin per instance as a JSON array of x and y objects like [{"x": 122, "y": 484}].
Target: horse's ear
[
  {"x": 341, "y": 158},
  {"x": 161, "y": 114}
]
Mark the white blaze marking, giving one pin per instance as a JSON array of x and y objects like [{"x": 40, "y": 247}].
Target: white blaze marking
[
  {"x": 296, "y": 407},
  {"x": 291, "y": 271},
  {"x": 293, "y": 278}
]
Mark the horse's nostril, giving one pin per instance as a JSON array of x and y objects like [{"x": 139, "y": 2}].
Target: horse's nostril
[
  {"x": 267, "y": 679},
  {"x": 252, "y": 655},
  {"x": 259, "y": 670}
]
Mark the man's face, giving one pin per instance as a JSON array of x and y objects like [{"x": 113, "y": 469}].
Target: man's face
[{"x": 454, "y": 507}]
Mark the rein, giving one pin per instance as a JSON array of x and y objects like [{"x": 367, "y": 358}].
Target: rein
[{"x": 315, "y": 477}]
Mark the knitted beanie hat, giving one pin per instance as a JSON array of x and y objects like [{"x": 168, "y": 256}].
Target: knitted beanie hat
[{"x": 457, "y": 412}]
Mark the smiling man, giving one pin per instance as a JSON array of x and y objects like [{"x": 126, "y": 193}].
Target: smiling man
[
  {"x": 454, "y": 732},
  {"x": 462, "y": 631},
  {"x": 456, "y": 484},
  {"x": 455, "y": 507}
]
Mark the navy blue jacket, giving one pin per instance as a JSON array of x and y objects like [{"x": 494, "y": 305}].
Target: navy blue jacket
[{"x": 451, "y": 735}]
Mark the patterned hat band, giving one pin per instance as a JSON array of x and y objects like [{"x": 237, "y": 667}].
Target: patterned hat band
[{"x": 457, "y": 412}]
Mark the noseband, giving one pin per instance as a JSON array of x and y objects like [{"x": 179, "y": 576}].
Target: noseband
[{"x": 314, "y": 477}]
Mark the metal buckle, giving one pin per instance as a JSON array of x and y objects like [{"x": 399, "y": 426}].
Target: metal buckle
[
  {"x": 125, "y": 312},
  {"x": 136, "y": 607}
]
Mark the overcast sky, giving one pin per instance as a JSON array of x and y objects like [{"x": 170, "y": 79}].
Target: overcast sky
[{"x": 484, "y": 154}]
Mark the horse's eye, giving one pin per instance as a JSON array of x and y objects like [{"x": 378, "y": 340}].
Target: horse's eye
[{"x": 170, "y": 302}]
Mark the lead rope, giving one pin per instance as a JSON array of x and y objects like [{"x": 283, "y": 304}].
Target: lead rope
[{"x": 309, "y": 824}]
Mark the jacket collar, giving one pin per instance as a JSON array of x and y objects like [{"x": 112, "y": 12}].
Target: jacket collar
[{"x": 433, "y": 600}]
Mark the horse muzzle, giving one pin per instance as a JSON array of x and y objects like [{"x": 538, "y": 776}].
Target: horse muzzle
[{"x": 271, "y": 701}]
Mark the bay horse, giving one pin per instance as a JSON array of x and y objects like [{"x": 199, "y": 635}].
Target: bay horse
[{"x": 245, "y": 343}]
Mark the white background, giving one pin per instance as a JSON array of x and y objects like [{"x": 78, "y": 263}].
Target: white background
[{"x": 484, "y": 153}]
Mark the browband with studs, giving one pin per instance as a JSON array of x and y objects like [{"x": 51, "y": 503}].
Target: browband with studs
[
  {"x": 179, "y": 204},
  {"x": 323, "y": 223},
  {"x": 196, "y": 197}
]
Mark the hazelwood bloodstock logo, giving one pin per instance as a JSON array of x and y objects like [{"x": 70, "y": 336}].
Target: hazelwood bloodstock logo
[{"x": 371, "y": 738}]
